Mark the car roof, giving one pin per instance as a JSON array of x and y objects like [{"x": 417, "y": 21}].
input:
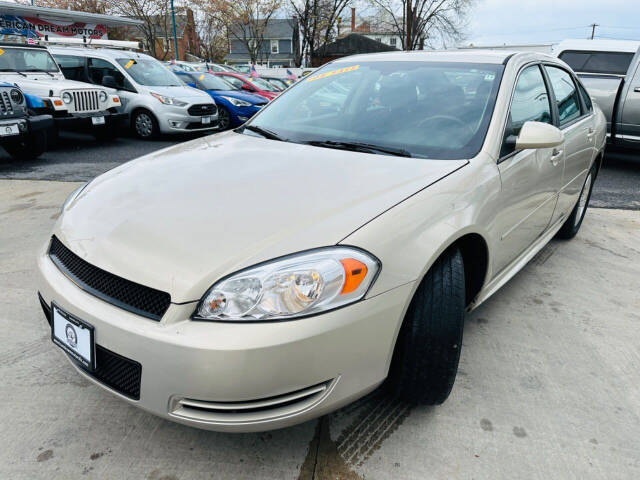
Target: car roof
[
  {"x": 468, "y": 56},
  {"x": 98, "y": 52},
  {"x": 598, "y": 45}
]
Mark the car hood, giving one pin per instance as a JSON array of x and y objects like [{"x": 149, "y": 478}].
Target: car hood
[
  {"x": 247, "y": 97},
  {"x": 42, "y": 85},
  {"x": 186, "y": 94},
  {"x": 179, "y": 219}
]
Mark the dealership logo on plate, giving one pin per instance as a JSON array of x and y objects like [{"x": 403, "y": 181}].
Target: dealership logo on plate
[{"x": 72, "y": 337}]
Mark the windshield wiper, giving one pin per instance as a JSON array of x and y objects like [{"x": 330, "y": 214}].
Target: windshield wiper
[
  {"x": 37, "y": 70},
  {"x": 361, "y": 147},
  {"x": 265, "y": 133},
  {"x": 11, "y": 70}
]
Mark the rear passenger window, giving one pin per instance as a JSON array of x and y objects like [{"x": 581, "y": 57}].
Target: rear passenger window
[
  {"x": 612, "y": 63},
  {"x": 530, "y": 103},
  {"x": 566, "y": 94},
  {"x": 585, "y": 96}
]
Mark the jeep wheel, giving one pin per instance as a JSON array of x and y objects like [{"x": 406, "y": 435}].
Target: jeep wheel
[
  {"x": 29, "y": 148},
  {"x": 425, "y": 360}
]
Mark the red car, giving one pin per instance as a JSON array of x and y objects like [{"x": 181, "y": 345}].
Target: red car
[{"x": 253, "y": 85}]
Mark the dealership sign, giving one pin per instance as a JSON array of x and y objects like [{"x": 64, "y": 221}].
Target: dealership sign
[{"x": 33, "y": 27}]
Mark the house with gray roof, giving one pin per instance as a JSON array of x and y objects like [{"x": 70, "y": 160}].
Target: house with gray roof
[{"x": 277, "y": 48}]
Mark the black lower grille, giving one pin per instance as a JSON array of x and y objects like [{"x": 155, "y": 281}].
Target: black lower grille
[
  {"x": 115, "y": 371},
  {"x": 202, "y": 109},
  {"x": 136, "y": 298}
]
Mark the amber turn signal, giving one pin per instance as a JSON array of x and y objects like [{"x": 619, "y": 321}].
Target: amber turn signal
[{"x": 354, "y": 273}]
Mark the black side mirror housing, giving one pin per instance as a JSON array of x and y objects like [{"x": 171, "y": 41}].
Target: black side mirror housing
[{"x": 109, "y": 81}]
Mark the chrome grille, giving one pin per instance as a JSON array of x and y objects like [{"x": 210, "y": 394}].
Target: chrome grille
[{"x": 85, "y": 101}]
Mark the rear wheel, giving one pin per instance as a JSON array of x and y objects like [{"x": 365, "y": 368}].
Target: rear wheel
[
  {"x": 572, "y": 224},
  {"x": 224, "y": 119},
  {"x": 29, "y": 148},
  {"x": 425, "y": 360},
  {"x": 145, "y": 124}
]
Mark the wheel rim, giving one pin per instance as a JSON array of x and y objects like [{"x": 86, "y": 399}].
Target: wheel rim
[
  {"x": 223, "y": 119},
  {"x": 144, "y": 125},
  {"x": 582, "y": 201}
]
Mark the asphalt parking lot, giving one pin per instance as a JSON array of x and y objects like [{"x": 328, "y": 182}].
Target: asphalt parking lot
[{"x": 548, "y": 387}]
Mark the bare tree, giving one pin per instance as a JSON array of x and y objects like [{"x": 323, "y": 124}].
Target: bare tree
[
  {"x": 317, "y": 21},
  {"x": 247, "y": 21},
  {"x": 91, "y": 6},
  {"x": 156, "y": 22},
  {"x": 420, "y": 22}
]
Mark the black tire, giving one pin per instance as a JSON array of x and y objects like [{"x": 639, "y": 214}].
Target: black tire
[
  {"x": 29, "y": 148},
  {"x": 145, "y": 125},
  {"x": 224, "y": 119},
  {"x": 427, "y": 352},
  {"x": 572, "y": 224}
]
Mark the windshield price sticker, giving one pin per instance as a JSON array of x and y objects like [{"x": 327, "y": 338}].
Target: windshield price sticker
[
  {"x": 1, "y": 51},
  {"x": 332, "y": 72},
  {"x": 129, "y": 64}
]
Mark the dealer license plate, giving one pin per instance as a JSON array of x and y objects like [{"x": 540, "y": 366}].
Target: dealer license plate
[
  {"x": 206, "y": 120},
  {"x": 97, "y": 120},
  {"x": 74, "y": 336},
  {"x": 7, "y": 130}
]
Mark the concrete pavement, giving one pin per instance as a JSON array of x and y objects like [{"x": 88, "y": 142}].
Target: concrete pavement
[{"x": 548, "y": 387}]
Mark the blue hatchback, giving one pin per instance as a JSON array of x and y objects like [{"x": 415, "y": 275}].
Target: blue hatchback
[{"x": 234, "y": 106}]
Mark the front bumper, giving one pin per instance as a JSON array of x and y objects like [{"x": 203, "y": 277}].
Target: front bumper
[
  {"x": 187, "y": 123},
  {"x": 83, "y": 121},
  {"x": 185, "y": 363},
  {"x": 26, "y": 126}
]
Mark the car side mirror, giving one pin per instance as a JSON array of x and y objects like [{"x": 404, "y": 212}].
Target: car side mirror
[
  {"x": 247, "y": 87},
  {"x": 192, "y": 84},
  {"x": 109, "y": 81},
  {"x": 538, "y": 135}
]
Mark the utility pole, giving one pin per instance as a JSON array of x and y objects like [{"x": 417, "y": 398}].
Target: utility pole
[
  {"x": 593, "y": 29},
  {"x": 175, "y": 35}
]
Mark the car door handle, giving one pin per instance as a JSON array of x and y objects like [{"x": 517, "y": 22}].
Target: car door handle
[
  {"x": 590, "y": 133},
  {"x": 637, "y": 89},
  {"x": 555, "y": 156}
]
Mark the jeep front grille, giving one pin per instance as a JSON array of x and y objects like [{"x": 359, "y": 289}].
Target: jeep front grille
[
  {"x": 6, "y": 107},
  {"x": 85, "y": 101}
]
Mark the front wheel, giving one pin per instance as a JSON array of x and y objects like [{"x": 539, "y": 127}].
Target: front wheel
[
  {"x": 572, "y": 224},
  {"x": 425, "y": 360},
  {"x": 145, "y": 125},
  {"x": 224, "y": 119},
  {"x": 29, "y": 148}
]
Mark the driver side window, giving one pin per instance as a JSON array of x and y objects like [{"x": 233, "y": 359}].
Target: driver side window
[
  {"x": 530, "y": 102},
  {"x": 98, "y": 69}
]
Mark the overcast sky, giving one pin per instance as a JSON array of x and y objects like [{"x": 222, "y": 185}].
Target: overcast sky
[{"x": 530, "y": 21}]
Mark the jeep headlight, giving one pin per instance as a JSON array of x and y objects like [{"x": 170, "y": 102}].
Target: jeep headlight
[
  {"x": 16, "y": 96},
  {"x": 67, "y": 98},
  {"x": 103, "y": 96},
  {"x": 295, "y": 286}
]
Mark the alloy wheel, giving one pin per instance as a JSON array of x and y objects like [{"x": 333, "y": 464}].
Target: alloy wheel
[{"x": 144, "y": 125}]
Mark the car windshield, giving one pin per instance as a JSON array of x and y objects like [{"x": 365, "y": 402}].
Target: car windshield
[
  {"x": 27, "y": 60},
  {"x": 213, "y": 82},
  {"x": 149, "y": 72},
  {"x": 424, "y": 109},
  {"x": 263, "y": 85}
]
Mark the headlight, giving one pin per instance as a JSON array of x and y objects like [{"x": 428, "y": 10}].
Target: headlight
[
  {"x": 168, "y": 100},
  {"x": 16, "y": 96},
  {"x": 236, "y": 102},
  {"x": 73, "y": 195},
  {"x": 67, "y": 98},
  {"x": 295, "y": 286},
  {"x": 103, "y": 96}
]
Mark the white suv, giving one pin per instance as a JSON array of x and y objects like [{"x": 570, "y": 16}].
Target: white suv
[
  {"x": 155, "y": 98},
  {"x": 73, "y": 105}
]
